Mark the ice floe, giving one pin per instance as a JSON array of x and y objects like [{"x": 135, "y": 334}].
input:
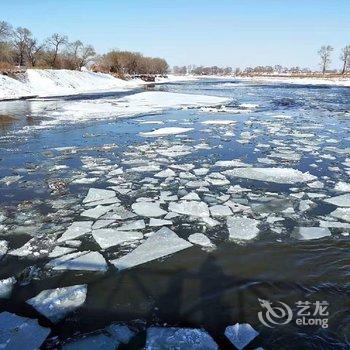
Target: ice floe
[
  {"x": 56, "y": 304},
  {"x": 23, "y": 333},
  {"x": 240, "y": 335},
  {"x": 108, "y": 237},
  {"x": 277, "y": 175},
  {"x": 160, "y": 244},
  {"x": 6, "y": 286},
  {"x": 242, "y": 228},
  {"x": 192, "y": 208},
  {"x": 148, "y": 209},
  {"x": 306, "y": 233},
  {"x": 179, "y": 338},
  {"x": 165, "y": 132},
  {"x": 340, "y": 201}
]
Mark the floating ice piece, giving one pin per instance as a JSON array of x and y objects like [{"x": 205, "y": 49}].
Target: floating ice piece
[
  {"x": 165, "y": 132},
  {"x": 277, "y": 175},
  {"x": 342, "y": 214},
  {"x": 306, "y": 233},
  {"x": 191, "y": 197},
  {"x": 3, "y": 248},
  {"x": 235, "y": 163},
  {"x": 200, "y": 239},
  {"x": 220, "y": 210},
  {"x": 152, "y": 168},
  {"x": 9, "y": 180},
  {"x": 98, "y": 194},
  {"x": 340, "y": 201},
  {"x": 159, "y": 222},
  {"x": 342, "y": 186},
  {"x": 242, "y": 228},
  {"x": 240, "y": 335},
  {"x": 210, "y": 222},
  {"x": 148, "y": 209},
  {"x": 108, "y": 237},
  {"x": 59, "y": 251},
  {"x": 56, "y": 304},
  {"x": 165, "y": 173},
  {"x": 160, "y": 244},
  {"x": 23, "y": 333},
  {"x": 219, "y": 122},
  {"x": 120, "y": 332},
  {"x": 334, "y": 224},
  {"x": 316, "y": 184},
  {"x": 201, "y": 171},
  {"x": 112, "y": 200},
  {"x": 98, "y": 211},
  {"x": 132, "y": 225},
  {"x": 192, "y": 208},
  {"x": 159, "y": 338},
  {"x": 101, "y": 224},
  {"x": 85, "y": 180},
  {"x": 175, "y": 151},
  {"x": 93, "y": 342},
  {"x": 6, "y": 287},
  {"x": 84, "y": 261},
  {"x": 75, "y": 230}
]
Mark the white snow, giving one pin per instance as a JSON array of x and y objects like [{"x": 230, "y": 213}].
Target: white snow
[
  {"x": 240, "y": 335},
  {"x": 160, "y": 244},
  {"x": 56, "y": 304},
  {"x": 277, "y": 175},
  {"x": 12, "y": 89},
  {"x": 18, "y": 332},
  {"x": 165, "y": 132},
  {"x": 179, "y": 338}
]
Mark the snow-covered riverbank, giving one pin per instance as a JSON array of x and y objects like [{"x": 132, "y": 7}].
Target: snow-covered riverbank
[{"x": 49, "y": 82}]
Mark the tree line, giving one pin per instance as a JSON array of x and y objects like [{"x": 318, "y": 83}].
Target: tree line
[
  {"x": 325, "y": 54},
  {"x": 19, "y": 47}
]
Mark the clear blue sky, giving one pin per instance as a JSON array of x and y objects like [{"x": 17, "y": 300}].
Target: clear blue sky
[{"x": 236, "y": 33}]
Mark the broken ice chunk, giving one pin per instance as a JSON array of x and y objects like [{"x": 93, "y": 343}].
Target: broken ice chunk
[
  {"x": 342, "y": 214},
  {"x": 165, "y": 173},
  {"x": 23, "y": 333},
  {"x": 59, "y": 251},
  {"x": 93, "y": 342},
  {"x": 76, "y": 229},
  {"x": 148, "y": 209},
  {"x": 132, "y": 225},
  {"x": 340, "y": 201},
  {"x": 98, "y": 194},
  {"x": 159, "y": 222},
  {"x": 160, "y": 244},
  {"x": 192, "y": 208},
  {"x": 342, "y": 187},
  {"x": 240, "y": 335},
  {"x": 120, "y": 332},
  {"x": 98, "y": 211},
  {"x": 220, "y": 210},
  {"x": 6, "y": 287},
  {"x": 159, "y": 338},
  {"x": 165, "y": 132},
  {"x": 277, "y": 175},
  {"x": 242, "y": 228},
  {"x": 56, "y": 304},
  {"x": 84, "y": 261},
  {"x": 306, "y": 233},
  {"x": 200, "y": 239},
  {"x": 108, "y": 237},
  {"x": 3, "y": 248}
]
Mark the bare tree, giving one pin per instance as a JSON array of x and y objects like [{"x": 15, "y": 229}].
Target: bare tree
[
  {"x": 81, "y": 54},
  {"x": 56, "y": 41},
  {"x": 5, "y": 31},
  {"x": 33, "y": 51},
  {"x": 22, "y": 37},
  {"x": 325, "y": 55},
  {"x": 345, "y": 57}
]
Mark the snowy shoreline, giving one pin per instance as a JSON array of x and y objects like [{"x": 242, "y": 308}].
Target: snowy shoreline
[{"x": 44, "y": 83}]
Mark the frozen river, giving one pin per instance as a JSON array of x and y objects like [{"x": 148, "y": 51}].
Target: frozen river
[{"x": 209, "y": 206}]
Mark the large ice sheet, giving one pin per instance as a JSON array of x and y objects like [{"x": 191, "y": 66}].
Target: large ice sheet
[
  {"x": 160, "y": 244},
  {"x": 56, "y": 304},
  {"x": 148, "y": 209},
  {"x": 75, "y": 230},
  {"x": 340, "y": 201},
  {"x": 277, "y": 175},
  {"x": 161, "y": 338}
]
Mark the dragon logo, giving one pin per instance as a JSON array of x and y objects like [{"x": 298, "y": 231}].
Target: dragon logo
[{"x": 274, "y": 315}]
